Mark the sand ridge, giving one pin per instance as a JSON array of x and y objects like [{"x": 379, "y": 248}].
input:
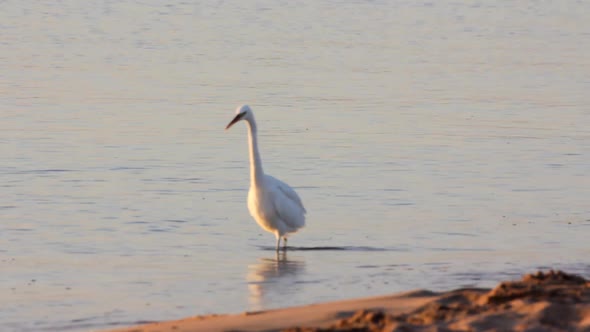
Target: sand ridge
[
  {"x": 543, "y": 301},
  {"x": 553, "y": 301}
]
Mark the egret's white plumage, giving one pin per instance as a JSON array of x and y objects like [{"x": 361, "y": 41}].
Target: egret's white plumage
[{"x": 274, "y": 205}]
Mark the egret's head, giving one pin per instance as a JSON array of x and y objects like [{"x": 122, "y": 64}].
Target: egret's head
[{"x": 242, "y": 113}]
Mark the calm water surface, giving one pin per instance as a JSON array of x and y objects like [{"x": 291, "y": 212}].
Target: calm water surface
[{"x": 435, "y": 144}]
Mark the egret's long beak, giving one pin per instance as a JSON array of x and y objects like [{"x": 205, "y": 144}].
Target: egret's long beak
[{"x": 236, "y": 119}]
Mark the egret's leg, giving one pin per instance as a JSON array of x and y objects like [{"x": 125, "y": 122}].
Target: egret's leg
[
  {"x": 284, "y": 243},
  {"x": 278, "y": 243}
]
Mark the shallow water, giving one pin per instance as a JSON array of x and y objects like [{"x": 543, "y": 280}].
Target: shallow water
[{"x": 435, "y": 145}]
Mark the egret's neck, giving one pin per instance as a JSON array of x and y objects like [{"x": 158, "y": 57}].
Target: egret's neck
[{"x": 256, "y": 172}]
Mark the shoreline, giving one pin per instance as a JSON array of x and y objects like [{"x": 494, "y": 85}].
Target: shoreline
[{"x": 543, "y": 301}]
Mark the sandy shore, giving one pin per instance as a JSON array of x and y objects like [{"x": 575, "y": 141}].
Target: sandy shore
[{"x": 550, "y": 301}]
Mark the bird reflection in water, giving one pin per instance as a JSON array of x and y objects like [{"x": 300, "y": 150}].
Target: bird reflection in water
[{"x": 273, "y": 280}]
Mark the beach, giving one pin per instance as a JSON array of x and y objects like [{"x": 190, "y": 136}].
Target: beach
[{"x": 541, "y": 301}]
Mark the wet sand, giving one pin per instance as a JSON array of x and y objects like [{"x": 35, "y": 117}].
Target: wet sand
[{"x": 543, "y": 301}]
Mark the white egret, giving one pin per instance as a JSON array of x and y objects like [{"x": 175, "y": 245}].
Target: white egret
[{"x": 274, "y": 205}]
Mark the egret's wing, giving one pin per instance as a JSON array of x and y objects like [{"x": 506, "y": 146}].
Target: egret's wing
[
  {"x": 292, "y": 194},
  {"x": 287, "y": 204}
]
